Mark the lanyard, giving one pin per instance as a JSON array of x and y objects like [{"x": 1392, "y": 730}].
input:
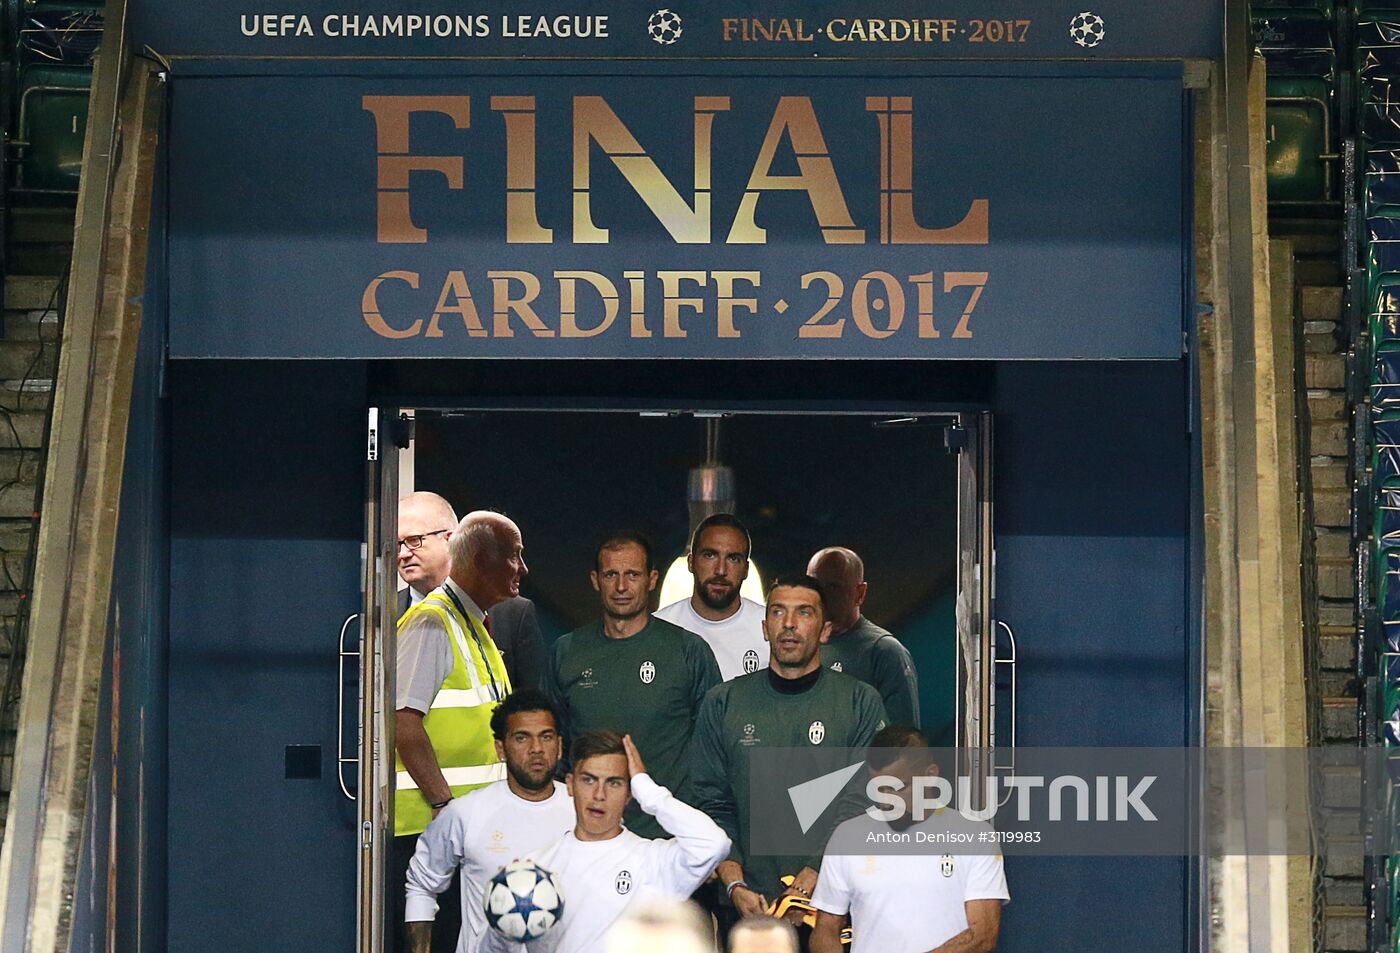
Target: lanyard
[{"x": 471, "y": 627}]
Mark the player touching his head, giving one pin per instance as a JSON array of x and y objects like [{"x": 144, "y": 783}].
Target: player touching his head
[{"x": 600, "y": 867}]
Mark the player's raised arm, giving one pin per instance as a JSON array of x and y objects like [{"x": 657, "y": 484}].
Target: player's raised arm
[{"x": 697, "y": 844}]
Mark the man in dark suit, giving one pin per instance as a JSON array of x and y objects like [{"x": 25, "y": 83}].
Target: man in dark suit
[{"x": 426, "y": 522}]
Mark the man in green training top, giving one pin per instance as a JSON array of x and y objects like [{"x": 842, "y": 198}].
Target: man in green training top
[
  {"x": 859, "y": 647},
  {"x": 793, "y": 703},
  {"x": 633, "y": 673}
]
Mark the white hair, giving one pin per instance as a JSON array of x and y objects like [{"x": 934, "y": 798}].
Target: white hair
[
  {"x": 477, "y": 537},
  {"x": 765, "y": 924},
  {"x": 675, "y": 926}
]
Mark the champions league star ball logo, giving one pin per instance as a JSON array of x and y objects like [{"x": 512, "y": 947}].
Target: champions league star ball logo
[
  {"x": 1087, "y": 29},
  {"x": 664, "y": 27}
]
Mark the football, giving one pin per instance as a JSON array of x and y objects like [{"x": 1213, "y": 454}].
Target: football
[{"x": 522, "y": 902}]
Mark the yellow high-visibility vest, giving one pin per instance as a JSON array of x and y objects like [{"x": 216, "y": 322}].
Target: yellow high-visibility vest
[{"x": 459, "y": 722}]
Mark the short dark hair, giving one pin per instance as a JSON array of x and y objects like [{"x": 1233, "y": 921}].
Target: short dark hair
[
  {"x": 728, "y": 520},
  {"x": 518, "y": 701},
  {"x": 590, "y": 744},
  {"x": 624, "y": 537},
  {"x": 800, "y": 580},
  {"x": 880, "y": 755}
]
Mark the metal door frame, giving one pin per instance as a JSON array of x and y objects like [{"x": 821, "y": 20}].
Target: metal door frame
[{"x": 968, "y": 434}]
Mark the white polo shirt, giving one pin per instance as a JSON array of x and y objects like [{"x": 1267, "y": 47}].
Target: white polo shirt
[
  {"x": 905, "y": 903},
  {"x": 737, "y": 641},
  {"x": 480, "y": 832}
]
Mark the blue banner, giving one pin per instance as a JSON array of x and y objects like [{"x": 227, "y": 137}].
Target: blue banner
[
  {"x": 655, "y": 216},
  {"x": 903, "y": 29}
]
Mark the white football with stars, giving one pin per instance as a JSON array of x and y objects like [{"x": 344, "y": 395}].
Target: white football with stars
[{"x": 522, "y": 901}]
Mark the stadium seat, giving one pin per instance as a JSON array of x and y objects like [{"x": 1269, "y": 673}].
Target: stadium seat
[
  {"x": 1385, "y": 451},
  {"x": 1301, "y": 92},
  {"x": 1377, "y": 68},
  {"x": 1385, "y": 313},
  {"x": 1382, "y": 238},
  {"x": 1381, "y": 181},
  {"x": 52, "y": 124}
]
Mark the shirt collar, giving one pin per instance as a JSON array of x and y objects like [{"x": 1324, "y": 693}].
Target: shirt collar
[
  {"x": 468, "y": 602},
  {"x": 414, "y": 596}
]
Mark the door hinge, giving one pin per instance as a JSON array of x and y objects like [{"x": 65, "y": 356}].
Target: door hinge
[{"x": 372, "y": 447}]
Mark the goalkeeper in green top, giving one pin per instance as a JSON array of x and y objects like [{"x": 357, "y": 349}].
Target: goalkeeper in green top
[{"x": 793, "y": 703}]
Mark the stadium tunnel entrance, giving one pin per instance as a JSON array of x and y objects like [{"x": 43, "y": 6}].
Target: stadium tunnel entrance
[{"x": 255, "y": 499}]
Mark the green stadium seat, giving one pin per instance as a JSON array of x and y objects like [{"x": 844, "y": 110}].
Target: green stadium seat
[
  {"x": 1385, "y": 313},
  {"x": 1302, "y": 76},
  {"x": 1298, "y": 136},
  {"x": 1385, "y": 450},
  {"x": 52, "y": 124}
]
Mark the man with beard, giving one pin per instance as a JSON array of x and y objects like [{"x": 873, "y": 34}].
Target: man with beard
[
  {"x": 794, "y": 703},
  {"x": 634, "y": 673},
  {"x": 486, "y": 829},
  {"x": 731, "y": 625}
]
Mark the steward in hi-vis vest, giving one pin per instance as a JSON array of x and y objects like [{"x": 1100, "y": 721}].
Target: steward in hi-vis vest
[{"x": 459, "y": 720}]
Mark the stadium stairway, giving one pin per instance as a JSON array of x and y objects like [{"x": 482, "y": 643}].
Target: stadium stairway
[
  {"x": 28, "y": 356},
  {"x": 1319, "y": 320}
]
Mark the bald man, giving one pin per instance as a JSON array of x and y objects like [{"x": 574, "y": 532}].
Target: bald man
[
  {"x": 426, "y": 523},
  {"x": 859, "y": 647},
  {"x": 449, "y": 680}
]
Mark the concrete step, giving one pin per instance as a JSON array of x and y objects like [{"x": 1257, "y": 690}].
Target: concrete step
[
  {"x": 1341, "y": 786},
  {"x": 1332, "y": 544},
  {"x": 1346, "y": 928},
  {"x": 1336, "y": 685},
  {"x": 22, "y": 428},
  {"x": 1331, "y": 506},
  {"x": 32, "y": 325},
  {"x": 1349, "y": 893},
  {"x": 1320, "y": 340},
  {"x": 30, "y": 292},
  {"x": 1330, "y": 613},
  {"x": 1335, "y": 579},
  {"x": 1324, "y": 371},
  {"x": 1339, "y": 719},
  {"x": 24, "y": 360},
  {"x": 1345, "y": 858},
  {"x": 33, "y": 394},
  {"x": 1320, "y": 302},
  {"x": 1326, "y": 405},
  {"x": 1328, "y": 473},
  {"x": 1328, "y": 438}
]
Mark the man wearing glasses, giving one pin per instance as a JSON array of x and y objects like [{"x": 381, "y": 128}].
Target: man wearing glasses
[
  {"x": 450, "y": 678},
  {"x": 426, "y": 522}
]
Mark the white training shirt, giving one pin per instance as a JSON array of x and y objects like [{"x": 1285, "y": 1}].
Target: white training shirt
[
  {"x": 425, "y": 656},
  {"x": 598, "y": 880},
  {"x": 737, "y": 641},
  {"x": 480, "y": 832},
  {"x": 911, "y": 902}
]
